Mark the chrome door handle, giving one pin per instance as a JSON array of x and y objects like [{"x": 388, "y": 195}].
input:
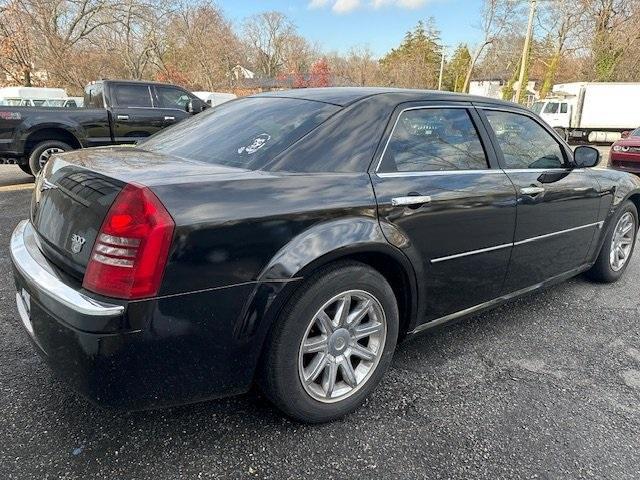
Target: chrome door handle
[
  {"x": 122, "y": 117},
  {"x": 170, "y": 118},
  {"x": 410, "y": 200},
  {"x": 531, "y": 190}
]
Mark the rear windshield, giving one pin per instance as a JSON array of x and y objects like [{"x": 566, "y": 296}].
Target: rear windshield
[{"x": 245, "y": 133}]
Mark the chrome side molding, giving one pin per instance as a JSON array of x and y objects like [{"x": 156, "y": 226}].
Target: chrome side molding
[{"x": 514, "y": 244}]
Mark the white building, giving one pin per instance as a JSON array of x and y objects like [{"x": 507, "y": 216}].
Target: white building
[
  {"x": 239, "y": 72},
  {"x": 493, "y": 88}
]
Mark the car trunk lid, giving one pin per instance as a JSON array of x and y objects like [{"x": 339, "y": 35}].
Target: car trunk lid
[{"x": 74, "y": 192}]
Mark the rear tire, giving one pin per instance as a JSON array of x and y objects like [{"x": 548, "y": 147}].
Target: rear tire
[
  {"x": 42, "y": 152},
  {"x": 25, "y": 168},
  {"x": 618, "y": 246},
  {"x": 318, "y": 367}
]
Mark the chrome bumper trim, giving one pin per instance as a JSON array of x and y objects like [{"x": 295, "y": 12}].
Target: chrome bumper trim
[{"x": 45, "y": 280}]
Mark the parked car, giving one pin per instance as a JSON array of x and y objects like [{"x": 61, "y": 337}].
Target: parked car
[
  {"x": 116, "y": 112},
  {"x": 625, "y": 153},
  {"x": 593, "y": 112},
  {"x": 214, "y": 99},
  {"x": 292, "y": 238}
]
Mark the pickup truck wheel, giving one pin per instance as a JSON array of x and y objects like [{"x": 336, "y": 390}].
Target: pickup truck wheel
[
  {"x": 25, "y": 168},
  {"x": 332, "y": 343},
  {"x": 42, "y": 152}
]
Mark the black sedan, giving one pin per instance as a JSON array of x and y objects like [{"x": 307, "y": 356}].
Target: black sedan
[{"x": 291, "y": 239}]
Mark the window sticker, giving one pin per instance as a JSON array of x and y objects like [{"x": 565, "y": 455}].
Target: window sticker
[{"x": 257, "y": 143}]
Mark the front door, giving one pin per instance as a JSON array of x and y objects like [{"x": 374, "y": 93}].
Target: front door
[
  {"x": 557, "y": 204},
  {"x": 174, "y": 104},
  {"x": 441, "y": 201},
  {"x": 133, "y": 114}
]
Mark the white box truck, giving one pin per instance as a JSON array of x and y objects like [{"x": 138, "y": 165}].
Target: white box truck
[{"x": 592, "y": 112}]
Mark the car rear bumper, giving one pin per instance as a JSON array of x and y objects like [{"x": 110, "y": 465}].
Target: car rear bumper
[{"x": 134, "y": 355}]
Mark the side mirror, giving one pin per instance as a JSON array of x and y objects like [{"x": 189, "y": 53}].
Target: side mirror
[
  {"x": 626, "y": 133},
  {"x": 586, "y": 157},
  {"x": 189, "y": 107}
]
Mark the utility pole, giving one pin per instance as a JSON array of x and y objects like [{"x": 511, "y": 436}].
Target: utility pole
[
  {"x": 441, "y": 68},
  {"x": 524, "y": 63}
]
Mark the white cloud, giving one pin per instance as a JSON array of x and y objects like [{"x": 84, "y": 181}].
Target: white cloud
[
  {"x": 318, "y": 3},
  {"x": 409, "y": 4},
  {"x": 344, "y": 6}
]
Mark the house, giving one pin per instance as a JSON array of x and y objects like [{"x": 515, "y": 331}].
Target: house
[
  {"x": 239, "y": 72},
  {"x": 494, "y": 88}
]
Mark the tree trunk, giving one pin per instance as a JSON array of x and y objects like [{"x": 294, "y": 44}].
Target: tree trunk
[{"x": 550, "y": 75}]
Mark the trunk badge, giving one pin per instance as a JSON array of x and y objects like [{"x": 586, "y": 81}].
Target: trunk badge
[{"x": 76, "y": 243}]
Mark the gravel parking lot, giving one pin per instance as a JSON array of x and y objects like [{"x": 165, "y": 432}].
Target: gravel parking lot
[{"x": 545, "y": 387}]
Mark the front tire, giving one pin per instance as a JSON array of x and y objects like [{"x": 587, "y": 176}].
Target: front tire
[
  {"x": 618, "y": 246},
  {"x": 332, "y": 343},
  {"x": 25, "y": 168},
  {"x": 42, "y": 152}
]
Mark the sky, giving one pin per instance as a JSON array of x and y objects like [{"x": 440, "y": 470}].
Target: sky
[{"x": 337, "y": 25}]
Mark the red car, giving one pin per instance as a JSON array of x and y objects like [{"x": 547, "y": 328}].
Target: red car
[{"x": 625, "y": 153}]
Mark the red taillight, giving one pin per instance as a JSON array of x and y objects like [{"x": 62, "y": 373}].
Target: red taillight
[{"x": 131, "y": 250}]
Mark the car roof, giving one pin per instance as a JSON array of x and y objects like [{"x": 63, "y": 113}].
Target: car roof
[{"x": 344, "y": 96}]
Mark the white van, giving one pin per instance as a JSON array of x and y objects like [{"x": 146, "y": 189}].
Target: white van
[{"x": 214, "y": 98}]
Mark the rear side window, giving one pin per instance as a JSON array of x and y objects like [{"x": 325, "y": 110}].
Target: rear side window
[
  {"x": 169, "y": 97},
  {"x": 132, "y": 96},
  {"x": 245, "y": 133},
  {"x": 433, "y": 139},
  {"x": 93, "y": 96},
  {"x": 523, "y": 142}
]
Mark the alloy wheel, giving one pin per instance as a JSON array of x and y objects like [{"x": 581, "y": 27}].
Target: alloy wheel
[
  {"x": 622, "y": 241},
  {"x": 46, "y": 155},
  {"x": 342, "y": 346}
]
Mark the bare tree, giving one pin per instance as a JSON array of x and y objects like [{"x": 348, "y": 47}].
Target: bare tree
[
  {"x": 561, "y": 21},
  {"x": 611, "y": 33},
  {"x": 267, "y": 35},
  {"x": 497, "y": 17},
  {"x": 17, "y": 44},
  {"x": 200, "y": 46}
]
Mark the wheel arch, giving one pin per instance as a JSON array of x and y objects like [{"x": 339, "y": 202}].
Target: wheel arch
[
  {"x": 50, "y": 133},
  {"x": 635, "y": 199},
  {"x": 376, "y": 253}
]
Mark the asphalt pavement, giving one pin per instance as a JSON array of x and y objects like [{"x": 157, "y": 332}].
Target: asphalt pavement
[{"x": 545, "y": 387}]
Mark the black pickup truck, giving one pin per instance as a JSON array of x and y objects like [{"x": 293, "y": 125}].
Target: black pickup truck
[{"x": 115, "y": 112}]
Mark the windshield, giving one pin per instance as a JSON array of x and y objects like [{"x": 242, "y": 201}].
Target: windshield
[
  {"x": 537, "y": 107},
  {"x": 245, "y": 133},
  {"x": 635, "y": 133}
]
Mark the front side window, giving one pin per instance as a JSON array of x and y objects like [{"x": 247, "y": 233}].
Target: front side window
[
  {"x": 247, "y": 133},
  {"x": 434, "y": 139},
  {"x": 552, "y": 107},
  {"x": 524, "y": 143},
  {"x": 132, "y": 96},
  {"x": 537, "y": 107},
  {"x": 169, "y": 97},
  {"x": 564, "y": 108}
]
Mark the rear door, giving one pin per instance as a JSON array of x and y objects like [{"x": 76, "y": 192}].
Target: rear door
[
  {"x": 557, "y": 204},
  {"x": 132, "y": 112},
  {"x": 439, "y": 186}
]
